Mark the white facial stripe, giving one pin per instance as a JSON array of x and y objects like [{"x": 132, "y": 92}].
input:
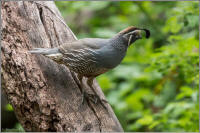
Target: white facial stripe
[
  {"x": 129, "y": 41},
  {"x": 134, "y": 32}
]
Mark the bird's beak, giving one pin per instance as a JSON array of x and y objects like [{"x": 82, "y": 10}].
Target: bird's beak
[{"x": 140, "y": 33}]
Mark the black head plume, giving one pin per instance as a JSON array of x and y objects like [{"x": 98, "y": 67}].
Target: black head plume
[
  {"x": 130, "y": 29},
  {"x": 147, "y": 32}
]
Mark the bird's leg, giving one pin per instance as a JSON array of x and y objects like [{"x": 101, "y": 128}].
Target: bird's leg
[
  {"x": 80, "y": 85},
  {"x": 95, "y": 97},
  {"x": 80, "y": 77}
]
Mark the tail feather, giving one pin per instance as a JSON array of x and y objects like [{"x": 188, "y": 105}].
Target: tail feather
[
  {"x": 45, "y": 51},
  {"x": 52, "y": 53}
]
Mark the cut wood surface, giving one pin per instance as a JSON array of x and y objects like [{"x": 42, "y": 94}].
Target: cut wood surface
[{"x": 45, "y": 95}]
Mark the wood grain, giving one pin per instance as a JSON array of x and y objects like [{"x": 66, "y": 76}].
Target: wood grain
[{"x": 44, "y": 95}]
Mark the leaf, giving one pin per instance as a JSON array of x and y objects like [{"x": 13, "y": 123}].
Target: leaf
[
  {"x": 146, "y": 120},
  {"x": 9, "y": 107}
]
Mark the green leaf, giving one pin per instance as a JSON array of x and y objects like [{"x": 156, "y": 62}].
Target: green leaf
[
  {"x": 146, "y": 120},
  {"x": 9, "y": 107}
]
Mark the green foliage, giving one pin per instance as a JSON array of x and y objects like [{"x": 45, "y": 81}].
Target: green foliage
[
  {"x": 17, "y": 128},
  {"x": 156, "y": 86},
  {"x": 8, "y": 107}
]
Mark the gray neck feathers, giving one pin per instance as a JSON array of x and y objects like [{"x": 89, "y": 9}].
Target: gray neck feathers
[{"x": 119, "y": 43}]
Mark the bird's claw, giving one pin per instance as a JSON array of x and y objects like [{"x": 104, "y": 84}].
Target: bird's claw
[{"x": 93, "y": 98}]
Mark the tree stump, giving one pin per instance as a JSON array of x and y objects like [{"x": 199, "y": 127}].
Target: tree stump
[{"x": 44, "y": 94}]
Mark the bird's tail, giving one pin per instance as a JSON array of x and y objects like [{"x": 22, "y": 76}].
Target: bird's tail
[
  {"x": 52, "y": 53},
  {"x": 44, "y": 51}
]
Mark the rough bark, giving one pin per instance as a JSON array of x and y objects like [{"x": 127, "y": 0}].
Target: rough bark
[{"x": 44, "y": 95}]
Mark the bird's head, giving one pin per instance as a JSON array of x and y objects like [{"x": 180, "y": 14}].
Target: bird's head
[{"x": 131, "y": 34}]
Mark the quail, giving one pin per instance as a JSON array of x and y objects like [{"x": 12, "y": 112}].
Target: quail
[{"x": 90, "y": 57}]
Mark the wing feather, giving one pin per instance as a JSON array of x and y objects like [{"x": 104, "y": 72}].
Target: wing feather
[{"x": 80, "y": 55}]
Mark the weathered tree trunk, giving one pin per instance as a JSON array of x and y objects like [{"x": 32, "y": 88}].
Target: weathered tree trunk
[{"x": 44, "y": 95}]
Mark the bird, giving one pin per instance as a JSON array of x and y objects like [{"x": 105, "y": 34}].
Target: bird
[{"x": 91, "y": 57}]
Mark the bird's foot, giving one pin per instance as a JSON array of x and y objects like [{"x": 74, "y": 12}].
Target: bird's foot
[{"x": 93, "y": 98}]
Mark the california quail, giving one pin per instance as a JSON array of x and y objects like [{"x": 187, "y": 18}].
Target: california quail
[{"x": 91, "y": 57}]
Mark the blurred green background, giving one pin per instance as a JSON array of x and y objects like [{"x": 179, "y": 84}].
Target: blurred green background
[{"x": 156, "y": 87}]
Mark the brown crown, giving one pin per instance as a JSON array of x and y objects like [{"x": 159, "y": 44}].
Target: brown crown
[{"x": 127, "y": 30}]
